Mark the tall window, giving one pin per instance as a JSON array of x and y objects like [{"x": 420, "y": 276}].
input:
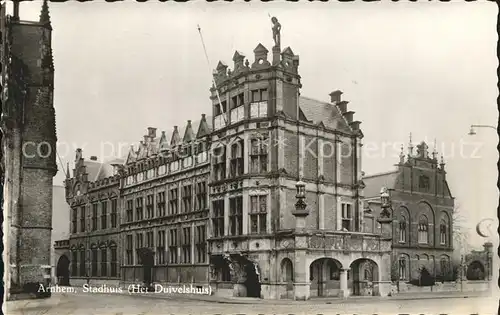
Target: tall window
[
  {"x": 104, "y": 214},
  {"x": 150, "y": 206},
  {"x": 186, "y": 245},
  {"x": 423, "y": 182},
  {"x": 94, "y": 262},
  {"x": 160, "y": 249},
  {"x": 94, "y": 216},
  {"x": 201, "y": 246},
  {"x": 443, "y": 235},
  {"x": 258, "y": 155},
  {"x": 444, "y": 266},
  {"x": 172, "y": 246},
  {"x": 129, "y": 250},
  {"x": 160, "y": 206},
  {"x": 74, "y": 220},
  {"x": 236, "y": 167},
  {"x": 173, "y": 202},
  {"x": 236, "y": 215},
  {"x": 130, "y": 209},
  {"x": 114, "y": 262},
  {"x": 347, "y": 216},
  {"x": 258, "y": 107},
  {"x": 149, "y": 239},
  {"x": 74, "y": 263},
  {"x": 82, "y": 219},
  {"x": 237, "y": 109},
  {"x": 114, "y": 212},
  {"x": 218, "y": 217},
  {"x": 423, "y": 230},
  {"x": 201, "y": 196},
  {"x": 139, "y": 243},
  {"x": 104, "y": 262},
  {"x": 83, "y": 261},
  {"x": 186, "y": 198},
  {"x": 139, "y": 211},
  {"x": 403, "y": 268},
  {"x": 258, "y": 214},
  {"x": 402, "y": 229},
  {"x": 219, "y": 163}
]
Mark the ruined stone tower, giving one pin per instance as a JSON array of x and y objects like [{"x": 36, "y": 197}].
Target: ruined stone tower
[{"x": 28, "y": 148}]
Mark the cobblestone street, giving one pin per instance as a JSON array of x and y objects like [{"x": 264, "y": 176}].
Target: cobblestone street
[{"x": 79, "y": 303}]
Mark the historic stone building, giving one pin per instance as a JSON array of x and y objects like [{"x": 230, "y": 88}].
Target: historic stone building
[
  {"x": 28, "y": 148},
  {"x": 264, "y": 198},
  {"x": 93, "y": 195},
  {"x": 422, "y": 208}
]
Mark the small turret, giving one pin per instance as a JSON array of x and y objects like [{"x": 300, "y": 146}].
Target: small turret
[{"x": 45, "y": 16}]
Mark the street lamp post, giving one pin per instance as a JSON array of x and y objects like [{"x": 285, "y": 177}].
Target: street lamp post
[{"x": 472, "y": 131}]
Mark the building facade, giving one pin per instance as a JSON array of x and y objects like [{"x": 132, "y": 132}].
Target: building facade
[
  {"x": 264, "y": 198},
  {"x": 422, "y": 207},
  {"x": 29, "y": 134}
]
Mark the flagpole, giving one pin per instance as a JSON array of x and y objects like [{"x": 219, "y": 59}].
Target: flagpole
[{"x": 211, "y": 74}]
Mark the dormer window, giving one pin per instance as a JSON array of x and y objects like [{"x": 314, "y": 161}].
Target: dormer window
[{"x": 174, "y": 166}]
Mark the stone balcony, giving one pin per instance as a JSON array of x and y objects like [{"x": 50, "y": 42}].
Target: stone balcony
[{"x": 334, "y": 241}]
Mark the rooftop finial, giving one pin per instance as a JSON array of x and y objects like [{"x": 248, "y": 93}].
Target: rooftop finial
[
  {"x": 410, "y": 148},
  {"x": 434, "y": 150},
  {"x": 276, "y": 31},
  {"x": 44, "y": 14},
  {"x": 401, "y": 155},
  {"x": 67, "y": 170},
  {"x": 442, "y": 162}
]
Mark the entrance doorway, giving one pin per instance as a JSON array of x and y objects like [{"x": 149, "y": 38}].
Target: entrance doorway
[
  {"x": 62, "y": 270},
  {"x": 252, "y": 282},
  {"x": 146, "y": 256},
  {"x": 364, "y": 273}
]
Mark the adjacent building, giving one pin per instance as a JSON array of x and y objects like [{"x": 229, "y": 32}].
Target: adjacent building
[
  {"x": 422, "y": 207},
  {"x": 29, "y": 163},
  {"x": 263, "y": 198}
]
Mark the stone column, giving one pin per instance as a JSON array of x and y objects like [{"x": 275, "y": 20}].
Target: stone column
[
  {"x": 301, "y": 284},
  {"x": 344, "y": 290}
]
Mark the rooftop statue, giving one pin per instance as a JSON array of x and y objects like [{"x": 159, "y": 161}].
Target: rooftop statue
[{"x": 276, "y": 31}]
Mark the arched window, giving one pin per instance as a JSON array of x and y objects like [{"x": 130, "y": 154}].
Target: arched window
[
  {"x": 443, "y": 232},
  {"x": 444, "y": 266},
  {"x": 287, "y": 270},
  {"x": 423, "y": 230},
  {"x": 402, "y": 229}
]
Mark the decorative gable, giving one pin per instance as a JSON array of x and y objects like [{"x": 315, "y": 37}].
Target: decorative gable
[
  {"x": 132, "y": 155},
  {"x": 203, "y": 128},
  {"x": 176, "y": 139},
  {"x": 188, "y": 133}
]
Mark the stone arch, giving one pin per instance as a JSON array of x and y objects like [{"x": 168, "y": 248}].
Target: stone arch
[
  {"x": 363, "y": 273},
  {"x": 324, "y": 276},
  {"x": 287, "y": 270},
  {"x": 62, "y": 270},
  {"x": 476, "y": 271}
]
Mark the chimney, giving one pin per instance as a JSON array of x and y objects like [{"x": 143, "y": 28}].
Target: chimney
[
  {"x": 355, "y": 125},
  {"x": 335, "y": 96},
  {"x": 348, "y": 116},
  {"x": 152, "y": 132},
  {"x": 93, "y": 158},
  {"x": 203, "y": 117},
  {"x": 342, "y": 106},
  {"x": 15, "y": 13}
]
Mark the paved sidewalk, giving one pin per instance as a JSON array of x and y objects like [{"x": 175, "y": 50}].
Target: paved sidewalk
[{"x": 314, "y": 300}]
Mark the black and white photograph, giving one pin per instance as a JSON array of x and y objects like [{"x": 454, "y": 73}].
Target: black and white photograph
[{"x": 249, "y": 157}]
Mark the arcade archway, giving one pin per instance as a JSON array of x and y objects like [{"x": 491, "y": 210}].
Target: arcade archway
[
  {"x": 364, "y": 273},
  {"x": 324, "y": 276},
  {"x": 62, "y": 270},
  {"x": 475, "y": 271}
]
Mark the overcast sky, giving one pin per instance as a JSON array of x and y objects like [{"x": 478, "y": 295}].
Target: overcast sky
[{"x": 424, "y": 68}]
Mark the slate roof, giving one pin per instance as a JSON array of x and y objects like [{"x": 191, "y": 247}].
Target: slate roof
[
  {"x": 100, "y": 170},
  {"x": 318, "y": 111},
  {"x": 375, "y": 182}
]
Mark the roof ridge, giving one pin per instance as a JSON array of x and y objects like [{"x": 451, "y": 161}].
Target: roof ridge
[{"x": 381, "y": 174}]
